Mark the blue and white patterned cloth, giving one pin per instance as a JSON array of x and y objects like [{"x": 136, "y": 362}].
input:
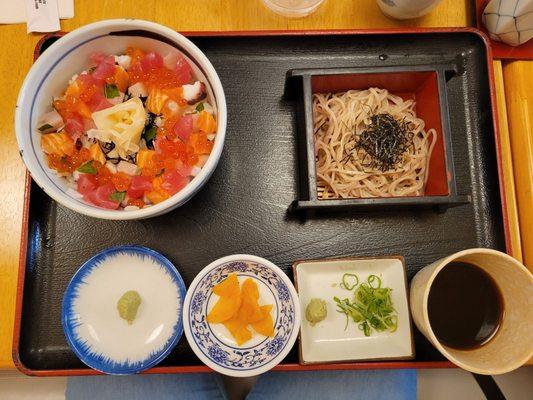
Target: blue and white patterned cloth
[{"x": 311, "y": 385}]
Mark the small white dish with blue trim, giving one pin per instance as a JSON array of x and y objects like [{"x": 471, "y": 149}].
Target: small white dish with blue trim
[
  {"x": 93, "y": 327},
  {"x": 214, "y": 345}
]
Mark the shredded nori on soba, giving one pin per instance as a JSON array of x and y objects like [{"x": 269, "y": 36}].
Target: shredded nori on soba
[{"x": 384, "y": 142}]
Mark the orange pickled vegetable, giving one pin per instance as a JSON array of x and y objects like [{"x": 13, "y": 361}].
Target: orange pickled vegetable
[
  {"x": 265, "y": 326},
  {"x": 74, "y": 89},
  {"x": 238, "y": 307},
  {"x": 83, "y": 109},
  {"x": 229, "y": 302},
  {"x": 228, "y": 287},
  {"x": 238, "y": 330},
  {"x": 250, "y": 311},
  {"x": 225, "y": 308}
]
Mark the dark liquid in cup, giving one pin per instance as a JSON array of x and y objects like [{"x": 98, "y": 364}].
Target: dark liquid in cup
[{"x": 465, "y": 306}]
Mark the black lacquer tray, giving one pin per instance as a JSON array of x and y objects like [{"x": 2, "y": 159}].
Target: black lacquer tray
[{"x": 244, "y": 206}]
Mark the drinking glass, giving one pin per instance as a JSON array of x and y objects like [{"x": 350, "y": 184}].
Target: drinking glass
[{"x": 293, "y": 8}]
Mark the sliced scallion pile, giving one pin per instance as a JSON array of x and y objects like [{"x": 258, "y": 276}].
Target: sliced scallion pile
[{"x": 371, "y": 305}]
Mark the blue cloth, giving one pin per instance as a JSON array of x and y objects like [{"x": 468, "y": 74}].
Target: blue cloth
[
  {"x": 338, "y": 385},
  {"x": 146, "y": 387},
  {"x": 309, "y": 385}
]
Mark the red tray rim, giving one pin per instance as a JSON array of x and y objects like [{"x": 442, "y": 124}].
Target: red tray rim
[{"x": 281, "y": 367}]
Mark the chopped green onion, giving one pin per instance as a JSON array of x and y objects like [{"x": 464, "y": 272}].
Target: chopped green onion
[
  {"x": 87, "y": 168},
  {"x": 371, "y": 306},
  {"x": 200, "y": 107},
  {"x": 117, "y": 196},
  {"x": 373, "y": 278},
  {"x": 45, "y": 127},
  {"x": 345, "y": 285},
  {"x": 365, "y": 328},
  {"x": 111, "y": 91}
]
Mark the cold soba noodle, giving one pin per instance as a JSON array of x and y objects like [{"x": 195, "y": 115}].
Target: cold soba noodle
[{"x": 370, "y": 143}]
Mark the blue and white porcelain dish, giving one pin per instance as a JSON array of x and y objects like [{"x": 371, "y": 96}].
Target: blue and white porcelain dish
[
  {"x": 214, "y": 345},
  {"x": 91, "y": 322}
]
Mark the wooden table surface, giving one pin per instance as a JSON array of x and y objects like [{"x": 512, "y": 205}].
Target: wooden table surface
[
  {"x": 16, "y": 50},
  {"x": 519, "y": 104}
]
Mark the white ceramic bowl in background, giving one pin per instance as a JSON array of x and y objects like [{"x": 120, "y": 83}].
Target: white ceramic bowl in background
[
  {"x": 214, "y": 345},
  {"x": 49, "y": 77},
  {"x": 406, "y": 9}
]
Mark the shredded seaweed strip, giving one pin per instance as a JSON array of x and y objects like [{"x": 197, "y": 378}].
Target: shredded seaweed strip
[
  {"x": 384, "y": 142},
  {"x": 371, "y": 305}
]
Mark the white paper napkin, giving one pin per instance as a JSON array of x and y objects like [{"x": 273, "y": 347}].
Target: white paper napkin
[
  {"x": 509, "y": 21},
  {"x": 14, "y": 11}
]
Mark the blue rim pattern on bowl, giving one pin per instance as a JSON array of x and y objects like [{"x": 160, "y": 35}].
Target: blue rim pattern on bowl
[
  {"x": 241, "y": 358},
  {"x": 69, "y": 321}
]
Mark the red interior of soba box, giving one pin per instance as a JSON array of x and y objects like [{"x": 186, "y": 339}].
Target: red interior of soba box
[{"x": 419, "y": 86}]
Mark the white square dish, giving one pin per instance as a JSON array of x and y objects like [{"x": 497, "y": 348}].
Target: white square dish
[{"x": 328, "y": 341}]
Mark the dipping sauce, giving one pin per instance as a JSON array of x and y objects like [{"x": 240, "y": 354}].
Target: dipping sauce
[{"x": 465, "y": 306}]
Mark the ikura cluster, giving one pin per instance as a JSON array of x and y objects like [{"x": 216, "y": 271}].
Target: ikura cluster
[{"x": 130, "y": 131}]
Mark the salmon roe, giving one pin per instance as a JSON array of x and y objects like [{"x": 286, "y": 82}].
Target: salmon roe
[{"x": 69, "y": 163}]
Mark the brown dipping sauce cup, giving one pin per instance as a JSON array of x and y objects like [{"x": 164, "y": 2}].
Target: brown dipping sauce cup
[{"x": 512, "y": 345}]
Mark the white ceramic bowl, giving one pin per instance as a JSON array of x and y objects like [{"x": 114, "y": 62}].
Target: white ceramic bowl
[
  {"x": 92, "y": 324},
  {"x": 49, "y": 77},
  {"x": 214, "y": 345}
]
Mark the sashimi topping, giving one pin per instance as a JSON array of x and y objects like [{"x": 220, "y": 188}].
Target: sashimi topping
[
  {"x": 86, "y": 183},
  {"x": 130, "y": 130},
  {"x": 183, "y": 127},
  {"x": 105, "y": 69}
]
